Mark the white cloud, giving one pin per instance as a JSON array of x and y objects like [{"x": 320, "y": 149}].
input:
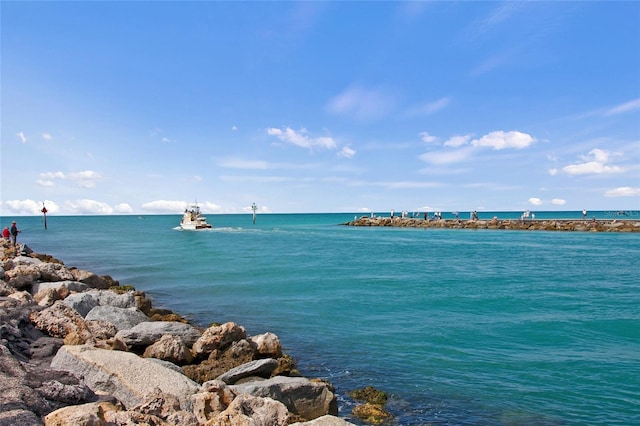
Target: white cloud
[
  {"x": 553, "y": 171},
  {"x": 594, "y": 163},
  {"x": 362, "y": 104},
  {"x": 429, "y": 108},
  {"x": 208, "y": 207},
  {"x": 447, "y": 156},
  {"x": 625, "y": 107},
  {"x": 535, "y": 201},
  {"x": 347, "y": 152},
  {"x": 123, "y": 208},
  {"x": 52, "y": 175},
  {"x": 502, "y": 140},
  {"x": 301, "y": 138},
  {"x": 22, "y": 137},
  {"x": 84, "y": 179},
  {"x": 458, "y": 140},
  {"x": 558, "y": 201},
  {"x": 165, "y": 206},
  {"x": 623, "y": 191},
  {"x": 234, "y": 128},
  {"x": 426, "y": 137},
  {"x": 88, "y": 207},
  {"x": 47, "y": 136},
  {"x": 28, "y": 207}
]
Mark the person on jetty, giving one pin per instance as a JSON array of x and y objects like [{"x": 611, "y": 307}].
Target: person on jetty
[
  {"x": 584, "y": 214},
  {"x": 14, "y": 233},
  {"x": 5, "y": 233}
]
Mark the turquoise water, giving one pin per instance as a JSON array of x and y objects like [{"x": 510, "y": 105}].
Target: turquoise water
[{"x": 458, "y": 326}]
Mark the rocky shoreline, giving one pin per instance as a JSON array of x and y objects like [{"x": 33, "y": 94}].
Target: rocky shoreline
[
  {"x": 523, "y": 225},
  {"x": 79, "y": 349}
]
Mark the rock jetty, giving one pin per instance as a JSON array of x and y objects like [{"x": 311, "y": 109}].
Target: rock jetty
[
  {"x": 495, "y": 223},
  {"x": 79, "y": 349}
]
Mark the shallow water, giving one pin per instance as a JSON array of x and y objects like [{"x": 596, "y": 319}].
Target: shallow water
[{"x": 458, "y": 326}]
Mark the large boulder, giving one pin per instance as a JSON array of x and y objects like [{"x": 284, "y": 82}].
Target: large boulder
[
  {"x": 22, "y": 277},
  {"x": 84, "y": 302},
  {"x": 267, "y": 345},
  {"x": 89, "y": 278},
  {"x": 26, "y": 392},
  {"x": 309, "y": 399},
  {"x": 124, "y": 375},
  {"x": 169, "y": 348},
  {"x": 220, "y": 361},
  {"x": 247, "y": 410},
  {"x": 218, "y": 337},
  {"x": 121, "y": 318},
  {"x": 147, "y": 333},
  {"x": 92, "y": 413},
  {"x": 260, "y": 368},
  {"x": 54, "y": 272},
  {"x": 71, "y": 285},
  {"x": 59, "y": 320},
  {"x": 325, "y": 421}
]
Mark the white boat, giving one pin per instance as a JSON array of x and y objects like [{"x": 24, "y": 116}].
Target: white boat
[{"x": 192, "y": 219}]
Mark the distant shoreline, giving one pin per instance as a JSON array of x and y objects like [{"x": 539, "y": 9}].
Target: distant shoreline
[{"x": 567, "y": 225}]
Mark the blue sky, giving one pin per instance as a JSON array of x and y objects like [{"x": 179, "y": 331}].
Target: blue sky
[{"x": 144, "y": 107}]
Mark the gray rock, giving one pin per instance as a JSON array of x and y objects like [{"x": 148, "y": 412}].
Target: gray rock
[
  {"x": 121, "y": 318},
  {"x": 147, "y": 333},
  {"x": 260, "y": 368},
  {"x": 71, "y": 285},
  {"x": 82, "y": 302},
  {"x": 124, "y": 375},
  {"x": 25, "y": 389},
  {"x": 325, "y": 421},
  {"x": 26, "y": 260},
  {"x": 301, "y": 396}
]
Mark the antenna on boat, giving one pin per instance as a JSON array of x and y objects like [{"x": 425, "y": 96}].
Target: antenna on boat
[{"x": 254, "y": 208}]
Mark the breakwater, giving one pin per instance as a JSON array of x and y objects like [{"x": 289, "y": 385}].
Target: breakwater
[
  {"x": 506, "y": 224},
  {"x": 78, "y": 348}
]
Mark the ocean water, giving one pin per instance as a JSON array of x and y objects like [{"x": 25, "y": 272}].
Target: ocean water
[{"x": 459, "y": 327}]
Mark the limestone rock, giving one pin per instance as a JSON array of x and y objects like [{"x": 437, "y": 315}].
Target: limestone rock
[
  {"x": 325, "y": 421},
  {"x": 26, "y": 389},
  {"x": 121, "y": 318},
  {"x": 267, "y": 345},
  {"x": 220, "y": 361},
  {"x": 59, "y": 320},
  {"x": 123, "y": 374},
  {"x": 301, "y": 396},
  {"x": 54, "y": 272},
  {"x": 147, "y": 333},
  {"x": 261, "y": 368},
  {"x": 169, "y": 348},
  {"x": 22, "y": 277},
  {"x": 71, "y": 285},
  {"x": 214, "y": 398},
  {"x": 89, "y": 278},
  {"x": 86, "y": 414},
  {"x": 100, "y": 329},
  {"x": 218, "y": 337},
  {"x": 247, "y": 410},
  {"x": 166, "y": 407}
]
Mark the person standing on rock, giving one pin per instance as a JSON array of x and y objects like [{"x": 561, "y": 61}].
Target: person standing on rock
[
  {"x": 5, "y": 233},
  {"x": 14, "y": 233},
  {"x": 584, "y": 214}
]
